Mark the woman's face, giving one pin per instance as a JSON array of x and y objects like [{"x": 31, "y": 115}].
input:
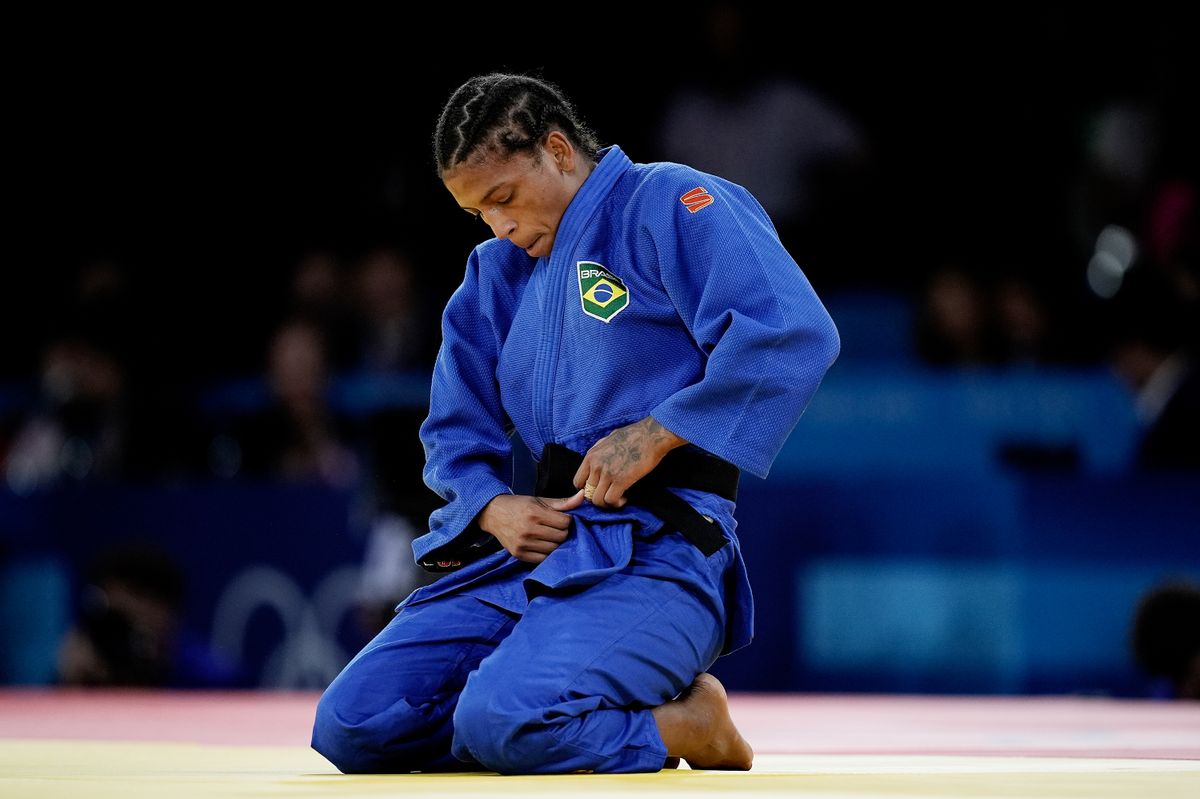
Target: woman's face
[{"x": 521, "y": 198}]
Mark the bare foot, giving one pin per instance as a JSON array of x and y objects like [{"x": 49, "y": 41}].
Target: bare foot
[{"x": 697, "y": 727}]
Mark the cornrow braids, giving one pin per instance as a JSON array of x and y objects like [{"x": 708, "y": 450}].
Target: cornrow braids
[{"x": 502, "y": 114}]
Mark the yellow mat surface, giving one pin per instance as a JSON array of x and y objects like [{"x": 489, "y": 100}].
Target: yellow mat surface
[{"x": 98, "y": 770}]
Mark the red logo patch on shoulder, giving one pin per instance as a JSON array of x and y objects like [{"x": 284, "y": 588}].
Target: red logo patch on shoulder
[{"x": 696, "y": 199}]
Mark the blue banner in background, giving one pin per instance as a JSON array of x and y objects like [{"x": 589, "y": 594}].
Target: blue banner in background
[{"x": 270, "y": 570}]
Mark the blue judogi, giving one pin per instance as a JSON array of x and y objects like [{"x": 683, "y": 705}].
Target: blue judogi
[{"x": 667, "y": 294}]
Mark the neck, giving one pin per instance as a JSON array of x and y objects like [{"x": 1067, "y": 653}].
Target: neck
[{"x": 580, "y": 175}]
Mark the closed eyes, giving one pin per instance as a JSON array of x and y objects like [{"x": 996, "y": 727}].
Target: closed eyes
[{"x": 500, "y": 201}]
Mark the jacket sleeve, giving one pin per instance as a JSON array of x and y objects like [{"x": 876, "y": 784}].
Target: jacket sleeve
[
  {"x": 751, "y": 310},
  {"x": 468, "y": 449}
]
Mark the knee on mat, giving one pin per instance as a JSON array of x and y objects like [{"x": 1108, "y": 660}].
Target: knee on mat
[
  {"x": 501, "y": 739},
  {"x": 341, "y": 742},
  {"x": 354, "y": 742}
]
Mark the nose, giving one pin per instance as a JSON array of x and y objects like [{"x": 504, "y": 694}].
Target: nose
[{"x": 502, "y": 226}]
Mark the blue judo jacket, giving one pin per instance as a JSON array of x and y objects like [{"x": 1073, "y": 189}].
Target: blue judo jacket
[{"x": 667, "y": 293}]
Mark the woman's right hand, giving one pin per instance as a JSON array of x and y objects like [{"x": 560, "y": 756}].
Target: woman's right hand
[{"x": 530, "y": 528}]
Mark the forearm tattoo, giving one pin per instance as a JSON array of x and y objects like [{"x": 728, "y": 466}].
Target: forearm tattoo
[
  {"x": 659, "y": 436},
  {"x": 627, "y": 445},
  {"x": 624, "y": 449}
]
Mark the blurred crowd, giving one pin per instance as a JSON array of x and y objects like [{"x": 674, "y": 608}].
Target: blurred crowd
[
  {"x": 97, "y": 413},
  {"x": 127, "y": 374},
  {"x": 121, "y": 373}
]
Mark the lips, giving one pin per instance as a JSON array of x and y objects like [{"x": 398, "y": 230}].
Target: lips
[{"x": 530, "y": 245}]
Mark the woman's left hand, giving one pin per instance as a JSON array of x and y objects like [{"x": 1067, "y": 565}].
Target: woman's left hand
[{"x": 621, "y": 458}]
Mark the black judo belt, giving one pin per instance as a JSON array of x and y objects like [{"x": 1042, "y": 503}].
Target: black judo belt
[{"x": 681, "y": 468}]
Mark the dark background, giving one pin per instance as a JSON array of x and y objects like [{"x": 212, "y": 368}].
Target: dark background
[{"x": 208, "y": 154}]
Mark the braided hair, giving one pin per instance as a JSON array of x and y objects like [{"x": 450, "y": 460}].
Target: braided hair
[{"x": 502, "y": 114}]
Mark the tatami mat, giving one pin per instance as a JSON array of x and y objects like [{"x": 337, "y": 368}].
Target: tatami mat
[{"x": 178, "y": 746}]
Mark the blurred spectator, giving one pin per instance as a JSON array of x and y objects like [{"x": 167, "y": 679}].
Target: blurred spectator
[
  {"x": 799, "y": 154},
  {"x": 966, "y": 319},
  {"x": 80, "y": 427},
  {"x": 79, "y": 431},
  {"x": 1172, "y": 236},
  {"x": 952, "y": 324},
  {"x": 297, "y": 437},
  {"x": 129, "y": 631},
  {"x": 319, "y": 295},
  {"x": 389, "y": 571},
  {"x": 393, "y": 330},
  {"x": 393, "y": 338},
  {"x": 1021, "y": 319},
  {"x": 1151, "y": 355},
  {"x": 1029, "y": 326},
  {"x": 402, "y": 504},
  {"x": 1119, "y": 156},
  {"x": 101, "y": 302},
  {"x": 91, "y": 418},
  {"x": 1166, "y": 638}
]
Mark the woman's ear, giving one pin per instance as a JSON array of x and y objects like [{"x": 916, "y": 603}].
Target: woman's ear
[{"x": 561, "y": 150}]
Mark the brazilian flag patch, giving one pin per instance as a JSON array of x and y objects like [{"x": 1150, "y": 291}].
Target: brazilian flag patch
[{"x": 602, "y": 293}]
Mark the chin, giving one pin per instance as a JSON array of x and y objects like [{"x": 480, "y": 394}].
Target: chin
[{"x": 540, "y": 249}]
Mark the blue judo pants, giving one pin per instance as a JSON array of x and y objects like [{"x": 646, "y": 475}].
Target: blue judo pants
[{"x": 457, "y": 683}]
